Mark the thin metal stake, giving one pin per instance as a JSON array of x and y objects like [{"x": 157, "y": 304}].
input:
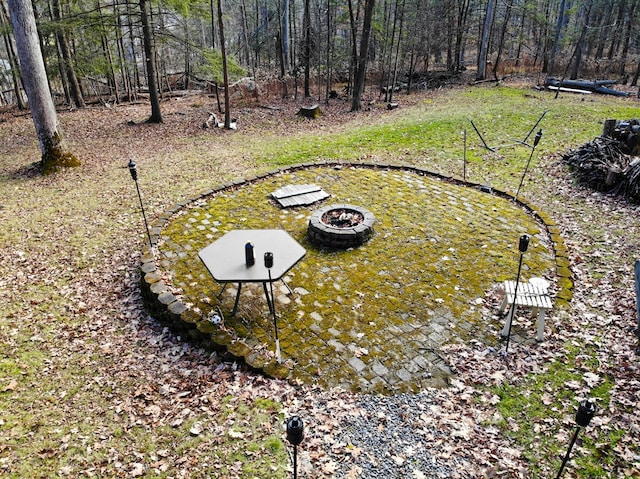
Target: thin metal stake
[
  {"x": 275, "y": 319},
  {"x": 464, "y": 157},
  {"x": 512, "y": 311},
  {"x": 144, "y": 216},
  {"x": 533, "y": 149},
  {"x": 295, "y": 462},
  {"x": 566, "y": 456}
]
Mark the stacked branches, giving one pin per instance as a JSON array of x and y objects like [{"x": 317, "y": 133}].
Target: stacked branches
[{"x": 610, "y": 163}]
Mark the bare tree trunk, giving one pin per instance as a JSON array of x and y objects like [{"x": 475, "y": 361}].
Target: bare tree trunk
[
  {"x": 281, "y": 49},
  {"x": 13, "y": 62},
  {"x": 398, "y": 47},
  {"x": 225, "y": 71},
  {"x": 503, "y": 32},
  {"x": 67, "y": 58},
  {"x": 361, "y": 68},
  {"x": 481, "y": 72},
  {"x": 306, "y": 26},
  {"x": 106, "y": 50},
  {"x": 556, "y": 39},
  {"x": 34, "y": 76},
  {"x": 149, "y": 53},
  {"x": 627, "y": 38},
  {"x": 579, "y": 46}
]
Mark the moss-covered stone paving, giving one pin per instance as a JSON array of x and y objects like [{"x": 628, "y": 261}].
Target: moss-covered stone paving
[{"x": 373, "y": 318}]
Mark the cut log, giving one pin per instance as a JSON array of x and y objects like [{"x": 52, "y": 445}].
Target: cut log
[
  {"x": 569, "y": 90},
  {"x": 584, "y": 86},
  {"x": 609, "y": 127},
  {"x": 310, "y": 111}
]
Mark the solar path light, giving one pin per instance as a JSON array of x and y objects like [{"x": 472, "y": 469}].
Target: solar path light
[
  {"x": 295, "y": 434},
  {"x": 134, "y": 175}
]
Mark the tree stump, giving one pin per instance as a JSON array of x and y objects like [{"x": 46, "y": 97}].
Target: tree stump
[
  {"x": 310, "y": 111},
  {"x": 609, "y": 128}
]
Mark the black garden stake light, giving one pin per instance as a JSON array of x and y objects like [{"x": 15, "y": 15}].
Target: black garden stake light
[
  {"x": 134, "y": 175},
  {"x": 523, "y": 245},
  {"x": 536, "y": 140},
  {"x": 295, "y": 434},
  {"x": 586, "y": 411},
  {"x": 268, "y": 263}
]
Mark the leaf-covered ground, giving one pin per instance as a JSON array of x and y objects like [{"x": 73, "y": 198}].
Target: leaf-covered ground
[{"x": 90, "y": 386}]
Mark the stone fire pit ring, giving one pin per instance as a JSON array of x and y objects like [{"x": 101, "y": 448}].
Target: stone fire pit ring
[{"x": 340, "y": 226}]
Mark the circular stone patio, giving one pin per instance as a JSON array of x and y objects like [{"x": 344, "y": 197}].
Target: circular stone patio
[{"x": 374, "y": 318}]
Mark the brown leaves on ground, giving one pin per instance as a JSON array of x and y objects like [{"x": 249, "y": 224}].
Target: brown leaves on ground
[{"x": 94, "y": 387}]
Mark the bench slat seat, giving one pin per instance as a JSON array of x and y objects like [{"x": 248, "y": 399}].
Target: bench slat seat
[{"x": 529, "y": 295}]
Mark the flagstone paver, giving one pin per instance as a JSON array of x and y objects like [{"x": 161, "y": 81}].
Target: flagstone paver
[{"x": 371, "y": 318}]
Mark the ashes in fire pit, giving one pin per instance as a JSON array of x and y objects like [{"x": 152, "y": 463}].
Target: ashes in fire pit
[{"x": 340, "y": 226}]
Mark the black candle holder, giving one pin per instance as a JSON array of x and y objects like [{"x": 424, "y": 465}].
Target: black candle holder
[
  {"x": 295, "y": 435},
  {"x": 586, "y": 411}
]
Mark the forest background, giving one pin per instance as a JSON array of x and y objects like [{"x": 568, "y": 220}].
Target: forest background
[{"x": 100, "y": 50}]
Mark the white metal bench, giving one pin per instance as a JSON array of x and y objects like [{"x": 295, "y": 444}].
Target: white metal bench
[{"x": 532, "y": 295}]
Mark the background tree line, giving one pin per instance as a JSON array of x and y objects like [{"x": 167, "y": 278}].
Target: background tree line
[{"x": 118, "y": 50}]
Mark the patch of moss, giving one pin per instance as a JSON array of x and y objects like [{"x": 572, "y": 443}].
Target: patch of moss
[{"x": 438, "y": 248}]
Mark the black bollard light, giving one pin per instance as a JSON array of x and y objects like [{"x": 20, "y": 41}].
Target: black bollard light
[
  {"x": 268, "y": 263},
  {"x": 295, "y": 435},
  {"x": 536, "y": 140},
  {"x": 134, "y": 175},
  {"x": 586, "y": 411},
  {"x": 523, "y": 245}
]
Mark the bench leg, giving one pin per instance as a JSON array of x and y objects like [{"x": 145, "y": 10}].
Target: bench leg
[
  {"x": 507, "y": 324},
  {"x": 541, "y": 317},
  {"x": 504, "y": 304}
]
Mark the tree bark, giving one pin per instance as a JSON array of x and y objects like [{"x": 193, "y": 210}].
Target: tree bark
[
  {"x": 306, "y": 26},
  {"x": 34, "y": 76},
  {"x": 149, "y": 53},
  {"x": 13, "y": 61},
  {"x": 225, "y": 71},
  {"x": 65, "y": 51},
  {"x": 556, "y": 39},
  {"x": 361, "y": 67},
  {"x": 481, "y": 72}
]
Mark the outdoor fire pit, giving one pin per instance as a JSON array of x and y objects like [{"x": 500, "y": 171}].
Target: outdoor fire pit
[{"x": 340, "y": 226}]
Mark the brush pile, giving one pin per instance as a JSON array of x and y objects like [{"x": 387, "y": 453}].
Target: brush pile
[{"x": 611, "y": 162}]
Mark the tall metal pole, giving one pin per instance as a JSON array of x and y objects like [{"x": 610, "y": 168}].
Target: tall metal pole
[
  {"x": 134, "y": 175},
  {"x": 566, "y": 456},
  {"x": 268, "y": 262},
  {"x": 523, "y": 245},
  {"x": 535, "y": 143},
  {"x": 295, "y": 462},
  {"x": 464, "y": 157}
]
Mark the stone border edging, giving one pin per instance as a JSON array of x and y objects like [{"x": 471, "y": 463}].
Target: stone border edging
[{"x": 162, "y": 304}]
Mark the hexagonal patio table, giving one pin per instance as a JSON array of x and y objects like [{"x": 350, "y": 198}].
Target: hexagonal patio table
[{"x": 225, "y": 259}]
